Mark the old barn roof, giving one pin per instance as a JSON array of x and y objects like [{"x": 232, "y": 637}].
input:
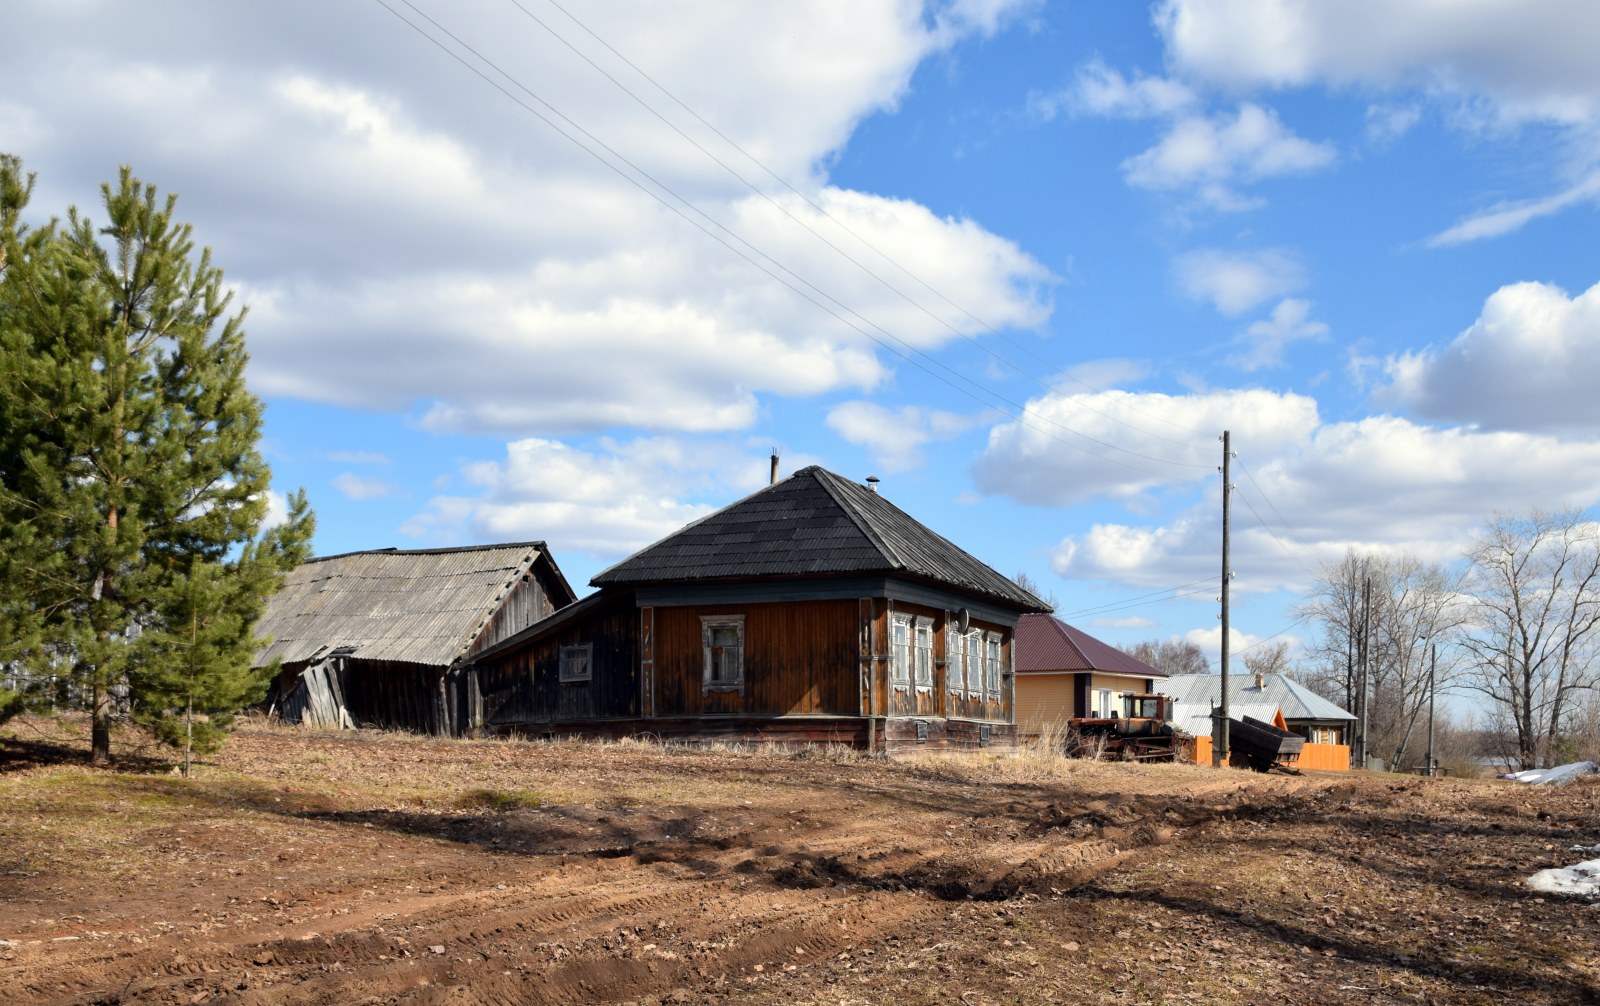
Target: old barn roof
[
  {"x": 812, "y": 523},
  {"x": 1046, "y": 644},
  {"x": 422, "y": 606}
]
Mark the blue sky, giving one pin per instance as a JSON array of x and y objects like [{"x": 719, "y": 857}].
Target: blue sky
[{"x": 1024, "y": 262}]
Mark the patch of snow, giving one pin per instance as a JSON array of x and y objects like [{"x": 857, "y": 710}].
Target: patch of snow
[
  {"x": 1557, "y": 776},
  {"x": 1582, "y": 879}
]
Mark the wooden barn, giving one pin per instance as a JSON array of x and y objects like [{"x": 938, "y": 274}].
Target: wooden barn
[
  {"x": 381, "y": 638},
  {"x": 812, "y": 610}
]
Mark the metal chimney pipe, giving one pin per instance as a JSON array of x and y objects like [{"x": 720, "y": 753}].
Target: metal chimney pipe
[
  {"x": 774, "y": 479},
  {"x": 872, "y": 483}
]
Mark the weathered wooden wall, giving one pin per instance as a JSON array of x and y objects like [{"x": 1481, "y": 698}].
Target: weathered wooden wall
[
  {"x": 800, "y": 658},
  {"x": 528, "y": 601},
  {"x": 523, "y": 686},
  {"x": 394, "y": 696}
]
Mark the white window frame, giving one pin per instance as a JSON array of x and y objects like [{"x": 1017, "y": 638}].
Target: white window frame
[
  {"x": 955, "y": 660},
  {"x": 1105, "y": 703},
  {"x": 922, "y": 653},
  {"x": 900, "y": 651},
  {"x": 707, "y": 624},
  {"x": 994, "y": 653},
  {"x": 571, "y": 656},
  {"x": 974, "y": 645}
]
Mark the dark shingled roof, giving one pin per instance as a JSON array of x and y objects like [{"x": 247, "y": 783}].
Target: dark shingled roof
[
  {"x": 812, "y": 523},
  {"x": 1046, "y": 643}
]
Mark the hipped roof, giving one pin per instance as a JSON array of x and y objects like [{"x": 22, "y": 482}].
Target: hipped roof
[
  {"x": 1046, "y": 643},
  {"x": 423, "y": 606},
  {"x": 813, "y": 523}
]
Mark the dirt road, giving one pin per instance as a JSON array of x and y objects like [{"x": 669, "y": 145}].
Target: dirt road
[{"x": 359, "y": 868}]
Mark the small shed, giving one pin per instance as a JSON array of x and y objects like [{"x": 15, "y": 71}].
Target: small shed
[{"x": 378, "y": 638}]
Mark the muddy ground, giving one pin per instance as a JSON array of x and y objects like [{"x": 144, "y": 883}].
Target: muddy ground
[{"x": 367, "y": 868}]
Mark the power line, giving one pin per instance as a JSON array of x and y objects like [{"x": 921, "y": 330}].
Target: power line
[
  {"x": 1156, "y": 597},
  {"x": 1023, "y": 412},
  {"x": 984, "y": 325}
]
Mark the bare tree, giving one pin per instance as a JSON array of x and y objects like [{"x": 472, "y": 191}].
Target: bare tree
[
  {"x": 1262, "y": 659},
  {"x": 1028, "y": 583},
  {"x": 1172, "y": 656},
  {"x": 1413, "y": 606},
  {"x": 1535, "y": 581}
]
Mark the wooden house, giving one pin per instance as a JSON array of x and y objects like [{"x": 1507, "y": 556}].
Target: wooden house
[
  {"x": 1064, "y": 673},
  {"x": 380, "y": 638},
  {"x": 812, "y": 610}
]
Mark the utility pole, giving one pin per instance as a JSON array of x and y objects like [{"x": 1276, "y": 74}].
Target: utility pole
[
  {"x": 1433, "y": 693},
  {"x": 1366, "y": 656},
  {"x": 1219, "y": 747}
]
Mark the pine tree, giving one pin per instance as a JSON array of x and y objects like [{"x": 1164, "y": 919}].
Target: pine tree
[{"x": 131, "y": 484}]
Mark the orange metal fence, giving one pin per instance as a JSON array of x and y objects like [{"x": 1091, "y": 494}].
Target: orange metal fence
[{"x": 1320, "y": 756}]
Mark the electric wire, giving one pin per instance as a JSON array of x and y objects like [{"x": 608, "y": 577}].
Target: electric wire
[
  {"x": 1023, "y": 412},
  {"x": 757, "y": 190},
  {"x": 1139, "y": 600}
]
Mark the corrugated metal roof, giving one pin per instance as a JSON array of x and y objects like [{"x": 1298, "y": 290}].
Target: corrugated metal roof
[
  {"x": 423, "y": 606},
  {"x": 1046, "y": 643},
  {"x": 812, "y": 523},
  {"x": 1197, "y": 692}
]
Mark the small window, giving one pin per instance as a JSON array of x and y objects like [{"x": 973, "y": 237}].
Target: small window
[
  {"x": 900, "y": 651},
  {"x": 1105, "y": 705},
  {"x": 577, "y": 662},
  {"x": 722, "y": 639},
  {"x": 992, "y": 668},
  {"x": 924, "y": 654}
]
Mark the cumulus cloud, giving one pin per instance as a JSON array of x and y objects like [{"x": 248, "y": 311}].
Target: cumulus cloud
[
  {"x": 607, "y": 502},
  {"x": 1212, "y": 153},
  {"x": 411, "y": 241},
  {"x": 1264, "y": 341},
  {"x": 1531, "y": 361},
  {"x": 895, "y": 437},
  {"x": 1059, "y": 454},
  {"x": 1533, "y": 59},
  {"x": 1491, "y": 67},
  {"x": 1101, "y": 90},
  {"x": 1235, "y": 282},
  {"x": 1384, "y": 483}
]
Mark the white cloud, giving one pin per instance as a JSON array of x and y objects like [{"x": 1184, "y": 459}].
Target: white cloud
[
  {"x": 895, "y": 437},
  {"x": 607, "y": 502},
  {"x": 358, "y": 457},
  {"x": 1533, "y": 59},
  {"x": 1382, "y": 483},
  {"x": 1265, "y": 341},
  {"x": 438, "y": 251},
  {"x": 1387, "y": 123},
  {"x": 1507, "y": 217},
  {"x": 1235, "y": 282},
  {"x": 1531, "y": 361},
  {"x": 1100, "y": 90},
  {"x": 1211, "y": 154},
  {"x": 1061, "y": 454},
  {"x": 357, "y": 488},
  {"x": 1131, "y": 622}
]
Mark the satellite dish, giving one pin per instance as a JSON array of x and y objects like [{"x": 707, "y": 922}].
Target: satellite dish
[{"x": 963, "y": 620}]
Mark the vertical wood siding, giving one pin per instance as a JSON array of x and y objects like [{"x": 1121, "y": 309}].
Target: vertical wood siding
[
  {"x": 527, "y": 601},
  {"x": 799, "y": 658},
  {"x": 523, "y": 686}
]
